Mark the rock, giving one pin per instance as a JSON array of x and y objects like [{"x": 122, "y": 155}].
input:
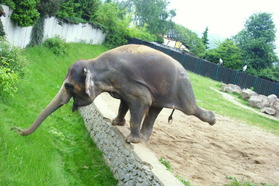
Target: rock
[
  {"x": 226, "y": 88},
  {"x": 271, "y": 98},
  {"x": 247, "y": 93},
  {"x": 268, "y": 110},
  {"x": 258, "y": 101},
  {"x": 231, "y": 88},
  {"x": 275, "y": 105}
]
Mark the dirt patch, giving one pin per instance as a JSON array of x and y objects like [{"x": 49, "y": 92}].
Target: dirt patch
[{"x": 205, "y": 155}]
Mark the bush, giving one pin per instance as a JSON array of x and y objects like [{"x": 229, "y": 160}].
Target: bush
[
  {"x": 141, "y": 33},
  {"x": 57, "y": 45},
  {"x": 8, "y": 80},
  {"x": 12, "y": 64}
]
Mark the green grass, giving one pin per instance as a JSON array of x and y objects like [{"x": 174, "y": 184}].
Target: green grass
[
  {"x": 211, "y": 100},
  {"x": 60, "y": 152},
  {"x": 167, "y": 164}
]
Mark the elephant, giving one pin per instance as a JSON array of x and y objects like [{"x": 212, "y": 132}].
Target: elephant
[{"x": 144, "y": 79}]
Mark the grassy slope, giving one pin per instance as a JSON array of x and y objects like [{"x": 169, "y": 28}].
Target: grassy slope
[
  {"x": 211, "y": 100},
  {"x": 60, "y": 152}
]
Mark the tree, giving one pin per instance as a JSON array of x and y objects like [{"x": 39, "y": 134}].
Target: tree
[
  {"x": 256, "y": 41},
  {"x": 48, "y": 7},
  {"x": 205, "y": 38},
  {"x": 116, "y": 26},
  {"x": 77, "y": 11},
  {"x": 189, "y": 38},
  {"x": 228, "y": 52},
  {"x": 154, "y": 14}
]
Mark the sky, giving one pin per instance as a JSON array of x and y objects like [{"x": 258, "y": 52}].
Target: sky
[{"x": 224, "y": 18}]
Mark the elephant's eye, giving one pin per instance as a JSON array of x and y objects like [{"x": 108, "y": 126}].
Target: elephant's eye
[{"x": 69, "y": 86}]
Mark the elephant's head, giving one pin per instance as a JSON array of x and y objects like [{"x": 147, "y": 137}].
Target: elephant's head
[{"x": 77, "y": 84}]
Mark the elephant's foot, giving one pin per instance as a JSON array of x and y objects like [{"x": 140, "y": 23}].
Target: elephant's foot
[
  {"x": 145, "y": 137},
  {"x": 208, "y": 116},
  {"x": 145, "y": 134},
  {"x": 133, "y": 139},
  {"x": 118, "y": 122}
]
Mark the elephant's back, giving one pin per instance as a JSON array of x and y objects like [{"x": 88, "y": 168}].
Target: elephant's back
[{"x": 160, "y": 73}]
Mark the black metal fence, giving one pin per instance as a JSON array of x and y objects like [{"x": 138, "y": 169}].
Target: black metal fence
[{"x": 214, "y": 71}]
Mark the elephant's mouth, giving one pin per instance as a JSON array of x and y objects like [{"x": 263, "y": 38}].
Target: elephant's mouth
[{"x": 80, "y": 103}]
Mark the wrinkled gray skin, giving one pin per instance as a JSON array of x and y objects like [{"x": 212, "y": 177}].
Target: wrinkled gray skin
[{"x": 144, "y": 79}]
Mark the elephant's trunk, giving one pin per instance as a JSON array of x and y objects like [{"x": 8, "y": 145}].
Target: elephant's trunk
[{"x": 61, "y": 98}]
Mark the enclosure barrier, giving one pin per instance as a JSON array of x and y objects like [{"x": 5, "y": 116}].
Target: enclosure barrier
[
  {"x": 131, "y": 164},
  {"x": 215, "y": 71}
]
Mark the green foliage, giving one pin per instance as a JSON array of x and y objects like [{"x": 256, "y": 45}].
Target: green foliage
[
  {"x": 154, "y": 14},
  {"x": 2, "y": 13},
  {"x": 256, "y": 41},
  {"x": 57, "y": 45},
  {"x": 2, "y": 32},
  {"x": 69, "y": 10},
  {"x": 12, "y": 64},
  {"x": 228, "y": 52},
  {"x": 25, "y": 13},
  {"x": 141, "y": 33},
  {"x": 236, "y": 182},
  {"x": 115, "y": 22},
  {"x": 169, "y": 168},
  {"x": 205, "y": 38},
  {"x": 48, "y": 7},
  {"x": 271, "y": 73},
  {"x": 8, "y": 80},
  {"x": 78, "y": 11},
  {"x": 190, "y": 39},
  {"x": 186, "y": 183},
  {"x": 166, "y": 163},
  {"x": 8, "y": 3}
]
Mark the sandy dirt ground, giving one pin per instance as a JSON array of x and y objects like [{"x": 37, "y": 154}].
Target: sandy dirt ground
[{"x": 206, "y": 155}]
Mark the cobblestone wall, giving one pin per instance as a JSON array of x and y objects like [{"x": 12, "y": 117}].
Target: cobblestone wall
[{"x": 125, "y": 165}]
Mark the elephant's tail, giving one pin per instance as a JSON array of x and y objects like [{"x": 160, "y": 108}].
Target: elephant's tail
[{"x": 170, "y": 117}]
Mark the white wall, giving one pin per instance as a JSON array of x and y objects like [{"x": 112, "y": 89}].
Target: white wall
[
  {"x": 20, "y": 36},
  {"x": 17, "y": 36}
]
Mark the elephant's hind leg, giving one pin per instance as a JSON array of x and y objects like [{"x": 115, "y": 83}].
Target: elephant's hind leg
[
  {"x": 137, "y": 110},
  {"x": 205, "y": 115},
  {"x": 147, "y": 126}
]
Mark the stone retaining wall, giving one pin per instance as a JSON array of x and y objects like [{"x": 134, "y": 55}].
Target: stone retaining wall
[{"x": 131, "y": 164}]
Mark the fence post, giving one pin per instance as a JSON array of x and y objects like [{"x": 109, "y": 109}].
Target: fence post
[
  {"x": 255, "y": 83},
  {"x": 276, "y": 89},
  {"x": 235, "y": 77},
  {"x": 217, "y": 72},
  {"x": 183, "y": 60},
  {"x": 168, "y": 52},
  {"x": 200, "y": 65}
]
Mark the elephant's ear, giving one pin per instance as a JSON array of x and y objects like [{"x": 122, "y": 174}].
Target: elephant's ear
[{"x": 89, "y": 84}]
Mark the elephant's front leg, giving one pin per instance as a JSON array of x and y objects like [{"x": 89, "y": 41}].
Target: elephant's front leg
[
  {"x": 120, "y": 118},
  {"x": 137, "y": 112},
  {"x": 147, "y": 126}
]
